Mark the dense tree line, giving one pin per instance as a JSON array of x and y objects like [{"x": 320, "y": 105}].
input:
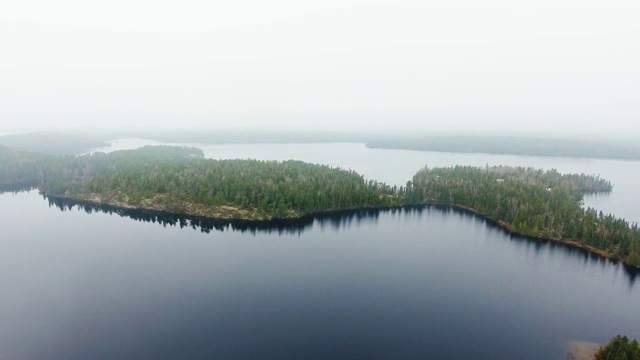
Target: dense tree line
[
  {"x": 619, "y": 348},
  {"x": 18, "y": 167},
  {"x": 534, "y": 202},
  {"x": 60, "y": 173},
  {"x": 55, "y": 172},
  {"x": 178, "y": 179},
  {"x": 265, "y": 188},
  {"x": 511, "y": 145}
]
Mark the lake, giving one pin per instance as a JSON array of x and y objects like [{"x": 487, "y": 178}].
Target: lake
[
  {"x": 396, "y": 167},
  {"x": 421, "y": 283}
]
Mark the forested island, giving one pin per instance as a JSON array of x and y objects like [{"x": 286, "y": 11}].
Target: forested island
[
  {"x": 421, "y": 141},
  {"x": 61, "y": 143},
  {"x": 179, "y": 180},
  {"x": 532, "y": 202}
]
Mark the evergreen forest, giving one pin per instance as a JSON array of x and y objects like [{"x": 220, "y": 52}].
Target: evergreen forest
[
  {"x": 619, "y": 348},
  {"x": 531, "y": 202},
  {"x": 180, "y": 180}
]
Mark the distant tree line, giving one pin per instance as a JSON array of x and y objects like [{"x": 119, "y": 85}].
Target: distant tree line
[
  {"x": 511, "y": 145},
  {"x": 50, "y": 170}
]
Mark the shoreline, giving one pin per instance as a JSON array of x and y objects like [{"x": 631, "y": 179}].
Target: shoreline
[
  {"x": 233, "y": 219},
  {"x": 582, "y": 350},
  {"x": 498, "y": 223},
  {"x": 507, "y": 229}
]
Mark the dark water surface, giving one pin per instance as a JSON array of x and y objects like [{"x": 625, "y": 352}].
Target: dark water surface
[
  {"x": 82, "y": 283},
  {"x": 413, "y": 284}
]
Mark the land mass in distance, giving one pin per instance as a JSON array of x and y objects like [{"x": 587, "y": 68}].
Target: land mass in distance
[
  {"x": 78, "y": 143},
  {"x": 179, "y": 180}
]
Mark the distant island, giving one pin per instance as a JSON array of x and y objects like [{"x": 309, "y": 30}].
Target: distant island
[
  {"x": 420, "y": 141},
  {"x": 60, "y": 143},
  {"x": 512, "y": 145},
  {"x": 179, "y": 180}
]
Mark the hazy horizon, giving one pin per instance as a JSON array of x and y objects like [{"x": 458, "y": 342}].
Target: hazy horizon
[{"x": 561, "y": 68}]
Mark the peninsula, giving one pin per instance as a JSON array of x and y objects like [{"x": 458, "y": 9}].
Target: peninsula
[
  {"x": 179, "y": 180},
  {"x": 532, "y": 202}
]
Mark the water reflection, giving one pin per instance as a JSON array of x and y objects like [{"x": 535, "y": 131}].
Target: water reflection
[
  {"x": 18, "y": 187},
  {"x": 336, "y": 220},
  {"x": 540, "y": 244}
]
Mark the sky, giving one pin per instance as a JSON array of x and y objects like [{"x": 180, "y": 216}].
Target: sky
[{"x": 555, "y": 67}]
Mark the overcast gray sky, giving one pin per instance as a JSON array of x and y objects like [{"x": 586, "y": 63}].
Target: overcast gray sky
[{"x": 544, "y": 66}]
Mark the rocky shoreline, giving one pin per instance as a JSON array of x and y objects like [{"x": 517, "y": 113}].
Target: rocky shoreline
[
  {"x": 504, "y": 226},
  {"x": 230, "y": 213},
  {"x": 582, "y": 350}
]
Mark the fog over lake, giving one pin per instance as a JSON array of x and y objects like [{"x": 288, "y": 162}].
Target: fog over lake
[
  {"x": 421, "y": 283},
  {"x": 81, "y": 281}
]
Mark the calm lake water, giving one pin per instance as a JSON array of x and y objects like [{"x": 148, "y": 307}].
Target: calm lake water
[{"x": 413, "y": 284}]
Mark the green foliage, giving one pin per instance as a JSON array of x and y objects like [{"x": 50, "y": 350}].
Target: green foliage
[
  {"x": 54, "y": 171},
  {"x": 20, "y": 167},
  {"x": 273, "y": 189},
  {"x": 619, "y": 348},
  {"x": 72, "y": 171},
  {"x": 633, "y": 259},
  {"x": 179, "y": 179},
  {"x": 533, "y": 202}
]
